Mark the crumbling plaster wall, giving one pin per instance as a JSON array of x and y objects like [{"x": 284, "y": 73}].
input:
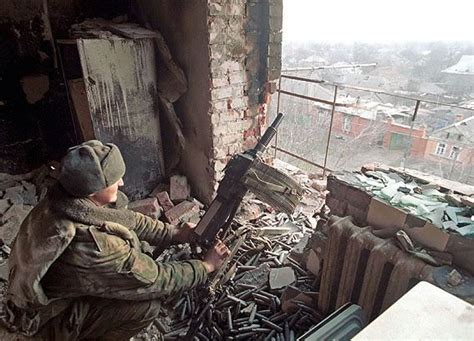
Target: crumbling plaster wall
[
  {"x": 183, "y": 25},
  {"x": 231, "y": 54}
]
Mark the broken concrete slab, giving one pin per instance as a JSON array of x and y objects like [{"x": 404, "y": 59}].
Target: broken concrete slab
[
  {"x": 468, "y": 201},
  {"x": 313, "y": 263},
  {"x": 181, "y": 212},
  {"x": 29, "y": 193},
  {"x": 298, "y": 250},
  {"x": 16, "y": 211},
  {"x": 4, "y": 271},
  {"x": 165, "y": 201},
  {"x": 179, "y": 188},
  {"x": 14, "y": 194},
  {"x": 255, "y": 277},
  {"x": 9, "y": 230},
  {"x": 281, "y": 277},
  {"x": 148, "y": 207},
  {"x": 4, "y": 205},
  {"x": 7, "y": 183}
]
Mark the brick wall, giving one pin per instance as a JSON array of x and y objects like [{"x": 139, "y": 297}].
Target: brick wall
[
  {"x": 245, "y": 61},
  {"x": 230, "y": 51}
]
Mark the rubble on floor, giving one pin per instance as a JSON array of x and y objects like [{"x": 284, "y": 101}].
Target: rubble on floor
[
  {"x": 265, "y": 290},
  {"x": 18, "y": 195}
]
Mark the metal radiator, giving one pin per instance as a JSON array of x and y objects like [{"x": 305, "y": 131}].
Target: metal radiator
[{"x": 361, "y": 268}]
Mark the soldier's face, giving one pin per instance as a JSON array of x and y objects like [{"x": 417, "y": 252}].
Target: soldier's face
[{"x": 107, "y": 195}]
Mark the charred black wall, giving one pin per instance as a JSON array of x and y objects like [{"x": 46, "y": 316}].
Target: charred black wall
[{"x": 35, "y": 120}]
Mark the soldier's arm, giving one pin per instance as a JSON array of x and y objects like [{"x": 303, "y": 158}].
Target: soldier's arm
[
  {"x": 120, "y": 272},
  {"x": 161, "y": 279},
  {"x": 153, "y": 231}
]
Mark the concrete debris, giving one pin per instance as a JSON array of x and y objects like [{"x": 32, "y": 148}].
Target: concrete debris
[
  {"x": 454, "y": 278},
  {"x": 313, "y": 263},
  {"x": 281, "y": 277},
  {"x": 179, "y": 188},
  {"x": 14, "y": 194},
  {"x": 4, "y": 271},
  {"x": 19, "y": 197},
  {"x": 148, "y": 207},
  {"x": 29, "y": 193},
  {"x": 4, "y": 205},
  {"x": 255, "y": 276}
]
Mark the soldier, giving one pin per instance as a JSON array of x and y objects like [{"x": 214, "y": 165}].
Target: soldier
[{"x": 76, "y": 267}]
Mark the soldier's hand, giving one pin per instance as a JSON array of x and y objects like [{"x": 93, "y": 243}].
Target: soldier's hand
[
  {"x": 183, "y": 233},
  {"x": 215, "y": 256}
]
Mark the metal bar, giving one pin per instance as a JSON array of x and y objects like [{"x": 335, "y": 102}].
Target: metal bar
[
  {"x": 314, "y": 99},
  {"x": 330, "y": 131},
  {"x": 303, "y": 79},
  {"x": 278, "y": 111},
  {"x": 284, "y": 151},
  {"x": 324, "y": 67},
  {"x": 412, "y": 124},
  {"x": 381, "y": 92}
]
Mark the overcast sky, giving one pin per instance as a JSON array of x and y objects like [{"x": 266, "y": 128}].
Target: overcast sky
[{"x": 382, "y": 20}]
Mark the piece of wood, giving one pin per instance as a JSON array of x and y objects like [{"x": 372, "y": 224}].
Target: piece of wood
[{"x": 78, "y": 94}]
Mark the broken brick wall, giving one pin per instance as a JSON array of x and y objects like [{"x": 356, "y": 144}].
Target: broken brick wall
[
  {"x": 230, "y": 52},
  {"x": 35, "y": 120},
  {"x": 245, "y": 60}
]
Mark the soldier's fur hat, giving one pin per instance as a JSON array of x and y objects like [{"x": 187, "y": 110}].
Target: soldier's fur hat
[{"x": 91, "y": 167}]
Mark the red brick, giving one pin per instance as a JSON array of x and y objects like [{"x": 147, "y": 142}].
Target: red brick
[
  {"x": 165, "y": 201},
  {"x": 179, "y": 188},
  {"x": 181, "y": 212},
  {"x": 148, "y": 206}
]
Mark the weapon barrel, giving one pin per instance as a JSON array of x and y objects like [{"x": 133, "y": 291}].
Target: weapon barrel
[{"x": 269, "y": 133}]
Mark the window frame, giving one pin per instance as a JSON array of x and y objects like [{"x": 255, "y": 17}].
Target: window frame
[
  {"x": 439, "y": 148},
  {"x": 455, "y": 156}
]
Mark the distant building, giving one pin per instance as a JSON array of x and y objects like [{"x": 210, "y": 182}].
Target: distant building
[
  {"x": 460, "y": 77},
  {"x": 453, "y": 143},
  {"x": 465, "y": 66}
]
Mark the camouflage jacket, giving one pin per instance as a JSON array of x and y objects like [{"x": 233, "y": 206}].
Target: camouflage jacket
[{"x": 68, "y": 248}]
